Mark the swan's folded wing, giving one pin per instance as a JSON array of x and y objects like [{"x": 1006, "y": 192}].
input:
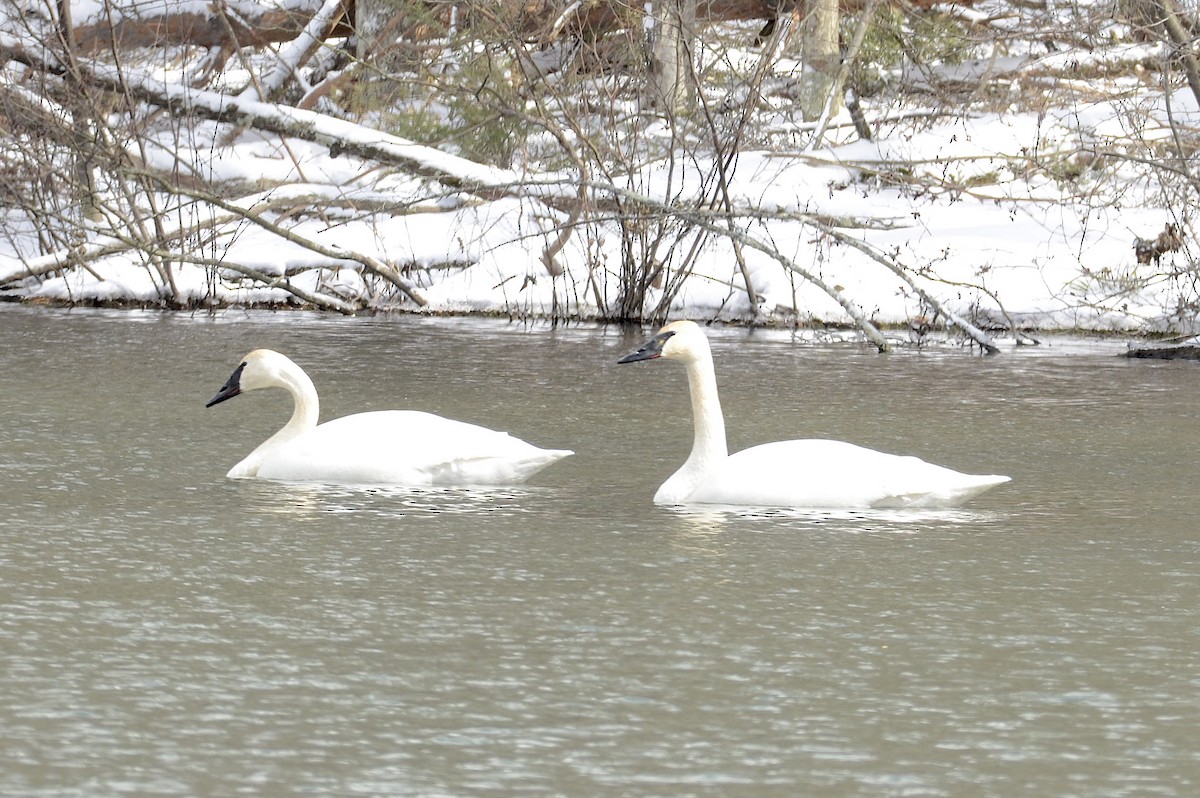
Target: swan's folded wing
[
  {"x": 824, "y": 473},
  {"x": 407, "y": 448}
]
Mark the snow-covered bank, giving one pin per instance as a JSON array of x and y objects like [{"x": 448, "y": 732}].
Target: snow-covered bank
[
  {"x": 1017, "y": 216},
  {"x": 1007, "y": 250}
]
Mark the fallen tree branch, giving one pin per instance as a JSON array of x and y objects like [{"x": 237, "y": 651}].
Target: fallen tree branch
[
  {"x": 283, "y": 284},
  {"x": 371, "y": 264},
  {"x": 974, "y": 333},
  {"x": 338, "y": 135},
  {"x": 79, "y": 255},
  {"x": 62, "y": 261}
]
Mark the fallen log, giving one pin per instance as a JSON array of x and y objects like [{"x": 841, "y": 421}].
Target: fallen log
[
  {"x": 244, "y": 23},
  {"x": 237, "y": 24},
  {"x": 1189, "y": 350}
]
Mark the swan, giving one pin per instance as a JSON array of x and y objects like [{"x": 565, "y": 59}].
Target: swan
[
  {"x": 799, "y": 473},
  {"x": 392, "y": 447}
]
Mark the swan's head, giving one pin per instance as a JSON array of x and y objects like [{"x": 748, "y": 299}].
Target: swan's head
[
  {"x": 262, "y": 368},
  {"x": 680, "y": 340}
]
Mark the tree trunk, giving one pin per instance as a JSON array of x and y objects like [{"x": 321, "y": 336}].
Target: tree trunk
[
  {"x": 371, "y": 19},
  {"x": 672, "y": 28},
  {"x": 820, "y": 56},
  {"x": 85, "y": 181}
]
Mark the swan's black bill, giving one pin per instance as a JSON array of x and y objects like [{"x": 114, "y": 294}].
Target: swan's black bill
[
  {"x": 231, "y": 388},
  {"x": 650, "y": 350}
]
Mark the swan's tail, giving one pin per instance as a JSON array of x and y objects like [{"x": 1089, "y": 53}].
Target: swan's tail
[
  {"x": 970, "y": 486},
  {"x": 544, "y": 458},
  {"x": 506, "y": 470}
]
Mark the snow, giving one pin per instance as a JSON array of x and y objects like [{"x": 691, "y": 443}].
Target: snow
[{"x": 950, "y": 201}]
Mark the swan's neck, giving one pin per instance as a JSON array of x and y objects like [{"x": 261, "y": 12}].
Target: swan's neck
[
  {"x": 306, "y": 407},
  {"x": 708, "y": 427},
  {"x": 305, "y": 412}
]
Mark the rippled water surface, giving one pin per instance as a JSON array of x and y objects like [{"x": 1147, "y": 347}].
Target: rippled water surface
[{"x": 165, "y": 631}]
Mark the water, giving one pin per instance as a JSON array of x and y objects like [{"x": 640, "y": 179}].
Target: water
[{"x": 164, "y": 631}]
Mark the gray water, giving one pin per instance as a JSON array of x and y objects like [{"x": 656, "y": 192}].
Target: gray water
[{"x": 165, "y": 631}]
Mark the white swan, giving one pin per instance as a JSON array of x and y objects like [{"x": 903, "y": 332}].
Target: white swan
[
  {"x": 392, "y": 447},
  {"x": 801, "y": 473}
]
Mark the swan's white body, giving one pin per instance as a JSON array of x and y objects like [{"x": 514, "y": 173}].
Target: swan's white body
[
  {"x": 799, "y": 473},
  {"x": 387, "y": 447}
]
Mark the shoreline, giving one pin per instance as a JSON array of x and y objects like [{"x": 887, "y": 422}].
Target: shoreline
[{"x": 1142, "y": 344}]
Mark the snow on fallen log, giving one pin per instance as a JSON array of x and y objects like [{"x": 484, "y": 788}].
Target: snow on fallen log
[{"x": 297, "y": 52}]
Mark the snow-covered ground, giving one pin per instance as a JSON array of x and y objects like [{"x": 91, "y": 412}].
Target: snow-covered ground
[{"x": 1010, "y": 217}]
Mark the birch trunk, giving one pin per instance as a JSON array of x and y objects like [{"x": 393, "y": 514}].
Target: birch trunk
[
  {"x": 820, "y": 57},
  {"x": 671, "y": 24}
]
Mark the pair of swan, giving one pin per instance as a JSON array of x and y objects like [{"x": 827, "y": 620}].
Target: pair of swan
[{"x": 414, "y": 448}]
